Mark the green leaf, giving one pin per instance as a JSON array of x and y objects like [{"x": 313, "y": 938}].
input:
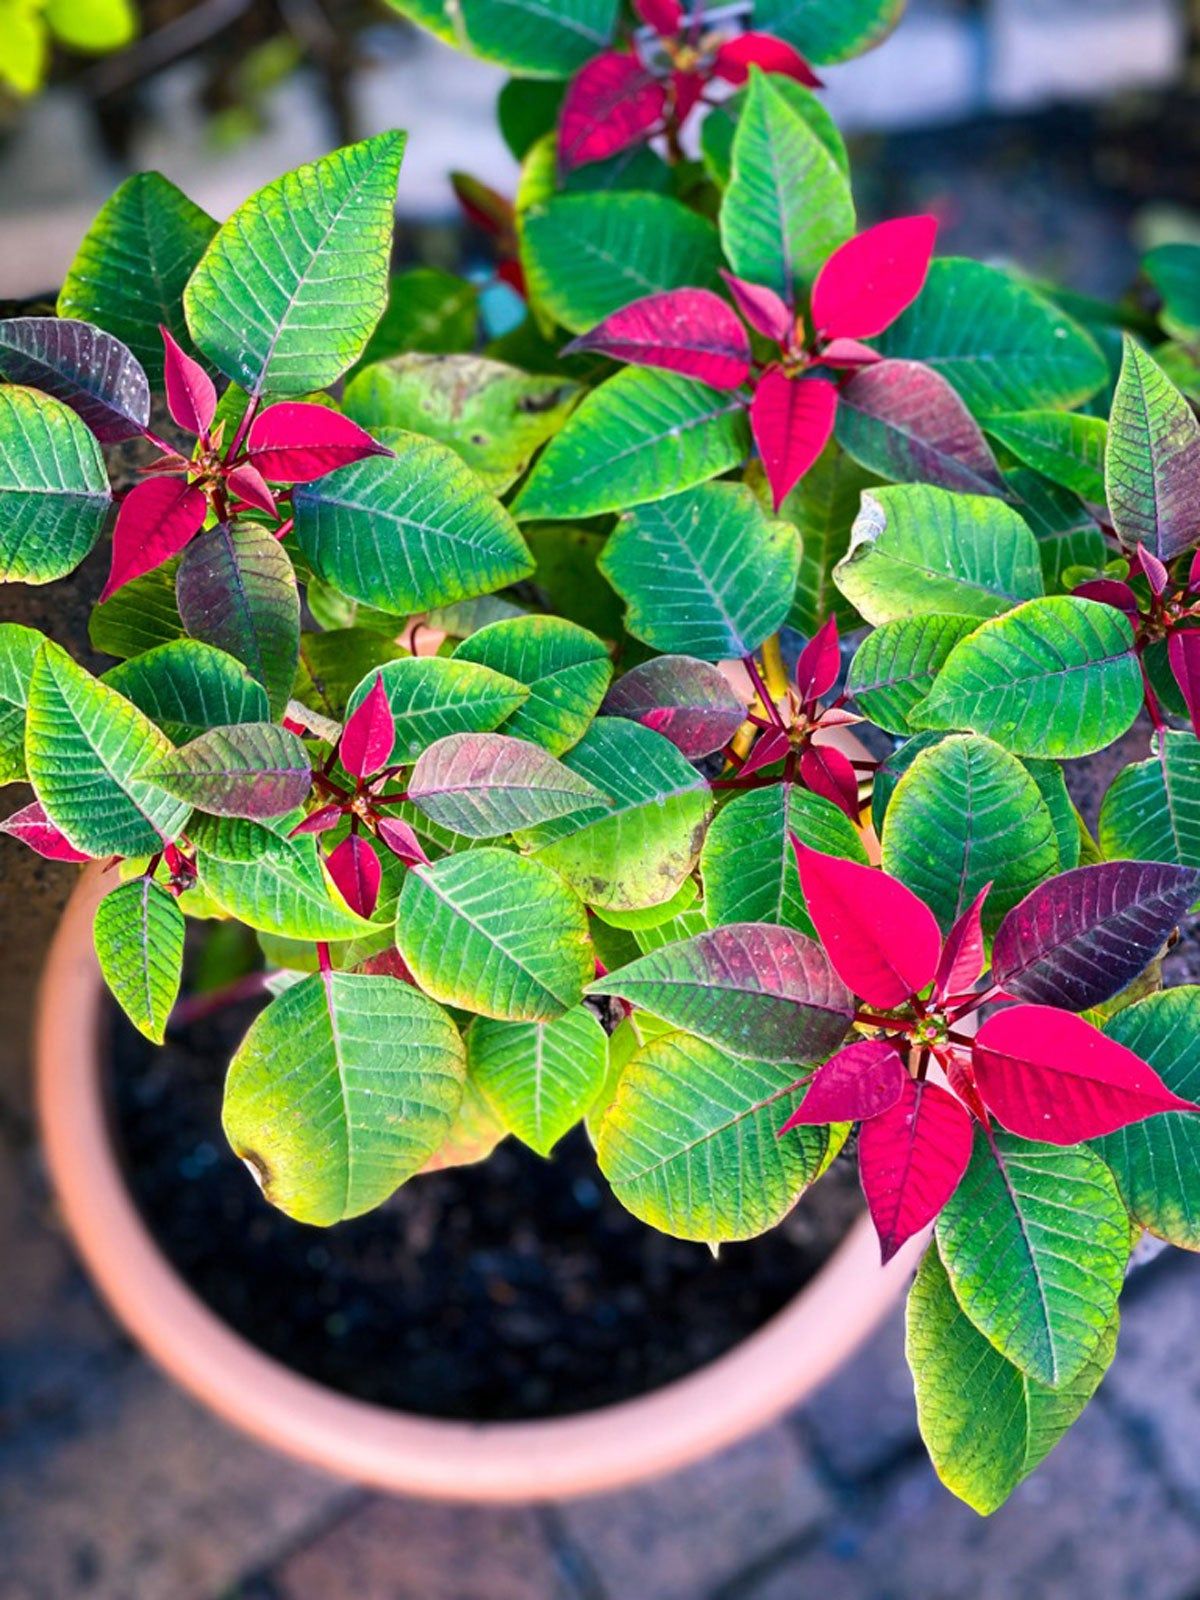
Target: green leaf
[
  {"x": 1054, "y": 678},
  {"x": 496, "y": 934},
  {"x": 485, "y": 785},
  {"x": 966, "y": 814},
  {"x": 708, "y": 573},
  {"x": 236, "y": 590},
  {"x": 409, "y": 531},
  {"x": 26, "y": 47},
  {"x": 822, "y": 32},
  {"x": 719, "y": 127},
  {"x": 186, "y": 687},
  {"x": 788, "y": 205},
  {"x": 586, "y": 255},
  {"x": 252, "y": 769},
  {"x": 1035, "y": 1241},
  {"x": 1052, "y": 786},
  {"x": 140, "y": 616},
  {"x": 638, "y": 850},
  {"x": 1002, "y": 346},
  {"x": 1156, "y": 1162},
  {"x": 1153, "y": 461},
  {"x": 641, "y": 436},
  {"x": 822, "y": 508},
  {"x": 689, "y": 1143},
  {"x": 492, "y": 416},
  {"x": 291, "y": 287},
  {"x": 648, "y": 917},
  {"x": 18, "y": 652},
  {"x": 568, "y": 579},
  {"x": 1062, "y": 445},
  {"x": 138, "y": 932},
  {"x": 54, "y": 493},
  {"x": 428, "y": 310},
  {"x": 526, "y": 111},
  {"x": 539, "y": 1077},
  {"x": 536, "y": 38},
  {"x": 565, "y": 668},
  {"x": 895, "y": 666},
  {"x": 434, "y": 696},
  {"x": 1067, "y": 533},
  {"x": 129, "y": 274},
  {"x": 745, "y": 986},
  {"x": 93, "y": 25},
  {"x": 916, "y": 551},
  {"x": 333, "y": 664},
  {"x": 748, "y": 865},
  {"x": 85, "y": 746},
  {"x": 1174, "y": 270},
  {"x": 985, "y": 1424},
  {"x": 269, "y": 882},
  {"x": 892, "y": 768},
  {"x": 342, "y": 1089},
  {"x": 1152, "y": 809}
]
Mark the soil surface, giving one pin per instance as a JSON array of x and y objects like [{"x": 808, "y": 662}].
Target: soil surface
[{"x": 516, "y": 1288}]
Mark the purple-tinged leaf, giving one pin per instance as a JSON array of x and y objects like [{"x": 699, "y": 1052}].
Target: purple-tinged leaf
[
  {"x": 369, "y": 736},
  {"x": 1193, "y": 577},
  {"x": 872, "y": 278},
  {"x": 883, "y": 941},
  {"x": 33, "y": 827},
  {"x": 691, "y": 331},
  {"x": 251, "y": 769},
  {"x": 1110, "y": 592},
  {"x": 762, "y": 308},
  {"x": 753, "y": 988},
  {"x": 1080, "y": 938},
  {"x": 962, "y": 959},
  {"x": 1047, "y": 1074},
  {"x": 1183, "y": 652},
  {"x": 903, "y": 420},
  {"x": 356, "y": 873},
  {"x": 401, "y": 839},
  {"x": 85, "y": 368},
  {"x": 1155, "y": 572},
  {"x": 911, "y": 1160},
  {"x": 611, "y": 103},
  {"x": 485, "y": 785},
  {"x": 862, "y": 1081},
  {"x": 248, "y": 484},
  {"x": 319, "y": 821},
  {"x": 819, "y": 663},
  {"x": 295, "y": 442},
  {"x": 689, "y": 702},
  {"x": 827, "y": 772},
  {"x": 191, "y": 393},
  {"x": 848, "y": 353},
  {"x": 792, "y": 420},
  {"x": 154, "y": 521},
  {"x": 736, "y": 56},
  {"x": 1152, "y": 460}
]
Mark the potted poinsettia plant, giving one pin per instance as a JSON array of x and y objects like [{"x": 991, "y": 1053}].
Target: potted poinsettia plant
[{"x": 354, "y": 709}]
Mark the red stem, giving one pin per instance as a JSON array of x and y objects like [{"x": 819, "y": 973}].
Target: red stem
[{"x": 764, "y": 694}]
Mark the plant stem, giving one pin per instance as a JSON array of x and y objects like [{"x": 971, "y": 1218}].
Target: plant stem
[{"x": 763, "y": 693}]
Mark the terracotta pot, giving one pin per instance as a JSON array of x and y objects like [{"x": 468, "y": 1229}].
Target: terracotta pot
[{"x": 779, "y": 1365}]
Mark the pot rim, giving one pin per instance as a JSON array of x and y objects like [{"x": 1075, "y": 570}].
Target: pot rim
[{"x": 495, "y": 1462}]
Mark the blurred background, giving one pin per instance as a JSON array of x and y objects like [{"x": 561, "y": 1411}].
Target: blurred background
[{"x": 1062, "y": 135}]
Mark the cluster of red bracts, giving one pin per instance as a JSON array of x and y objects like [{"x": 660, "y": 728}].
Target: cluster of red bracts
[
  {"x": 1173, "y": 614},
  {"x": 860, "y": 291},
  {"x": 290, "y": 442},
  {"x": 1043, "y": 1073},
  {"x": 626, "y": 97},
  {"x": 787, "y": 732}
]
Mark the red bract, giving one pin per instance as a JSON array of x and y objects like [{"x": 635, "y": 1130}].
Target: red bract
[
  {"x": 666, "y": 17},
  {"x": 32, "y": 826},
  {"x": 191, "y": 393},
  {"x": 865, "y": 285},
  {"x": 745, "y": 50},
  {"x": 762, "y": 308},
  {"x": 296, "y": 442},
  {"x": 156, "y": 519},
  {"x": 401, "y": 840},
  {"x": 792, "y": 423},
  {"x": 1043, "y": 1072},
  {"x": 819, "y": 663},
  {"x": 354, "y": 868},
  {"x": 1183, "y": 651},
  {"x": 369, "y": 735},
  {"x": 911, "y": 1160},
  {"x": 827, "y": 772},
  {"x": 248, "y": 484},
  {"x": 611, "y": 103},
  {"x": 691, "y": 331}
]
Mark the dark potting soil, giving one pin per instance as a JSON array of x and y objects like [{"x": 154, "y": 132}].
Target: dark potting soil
[{"x": 516, "y": 1288}]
